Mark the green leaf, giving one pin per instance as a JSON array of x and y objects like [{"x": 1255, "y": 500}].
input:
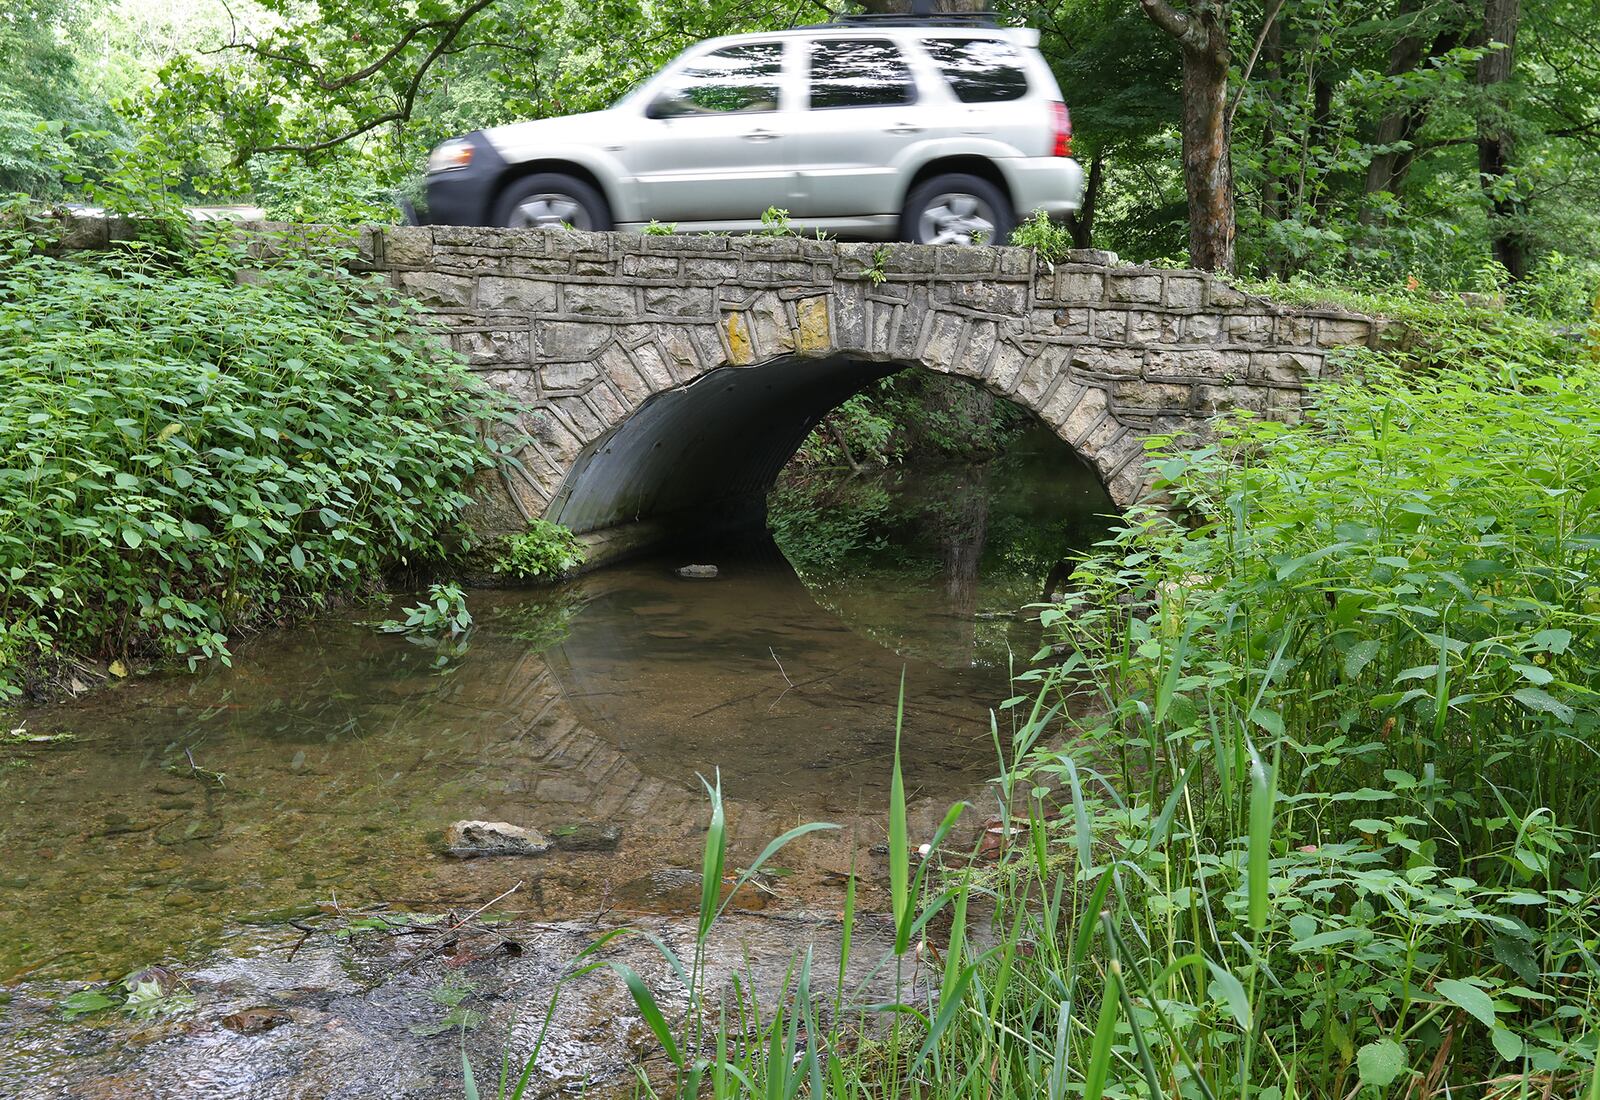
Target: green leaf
[
  {"x": 1469, "y": 998},
  {"x": 1228, "y": 989},
  {"x": 297, "y": 557},
  {"x": 1507, "y": 1043},
  {"x": 132, "y": 538},
  {"x": 1379, "y": 1063},
  {"x": 1359, "y": 657},
  {"x": 1542, "y": 702}
]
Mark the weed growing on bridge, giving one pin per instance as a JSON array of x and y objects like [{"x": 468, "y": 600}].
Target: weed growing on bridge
[
  {"x": 545, "y": 550},
  {"x": 191, "y": 447}
]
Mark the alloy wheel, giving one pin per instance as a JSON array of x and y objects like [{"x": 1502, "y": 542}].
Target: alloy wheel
[{"x": 956, "y": 218}]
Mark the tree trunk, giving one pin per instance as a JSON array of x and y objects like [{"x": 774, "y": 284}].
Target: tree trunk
[
  {"x": 1082, "y": 223},
  {"x": 1207, "y": 164},
  {"x": 1500, "y": 18},
  {"x": 1202, "y": 34}
]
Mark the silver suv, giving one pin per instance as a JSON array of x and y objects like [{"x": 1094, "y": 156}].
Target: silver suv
[{"x": 923, "y": 130}]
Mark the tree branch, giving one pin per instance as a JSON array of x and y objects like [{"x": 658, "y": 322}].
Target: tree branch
[
  {"x": 1244, "y": 79},
  {"x": 1169, "y": 19},
  {"x": 401, "y": 112}
]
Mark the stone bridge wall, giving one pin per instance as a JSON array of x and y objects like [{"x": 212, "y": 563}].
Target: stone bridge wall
[{"x": 583, "y": 330}]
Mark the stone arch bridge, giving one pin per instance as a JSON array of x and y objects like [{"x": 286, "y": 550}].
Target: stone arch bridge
[{"x": 661, "y": 377}]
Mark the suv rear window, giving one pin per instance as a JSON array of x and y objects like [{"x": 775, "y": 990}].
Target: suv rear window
[
  {"x": 980, "y": 70},
  {"x": 868, "y": 72}
]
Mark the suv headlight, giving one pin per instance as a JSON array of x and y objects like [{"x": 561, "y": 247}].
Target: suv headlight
[{"x": 450, "y": 156}]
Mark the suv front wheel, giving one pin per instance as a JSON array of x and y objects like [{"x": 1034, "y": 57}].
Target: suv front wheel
[
  {"x": 957, "y": 209},
  {"x": 550, "y": 200}
]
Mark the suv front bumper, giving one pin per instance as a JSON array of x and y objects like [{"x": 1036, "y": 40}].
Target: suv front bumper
[{"x": 1051, "y": 184}]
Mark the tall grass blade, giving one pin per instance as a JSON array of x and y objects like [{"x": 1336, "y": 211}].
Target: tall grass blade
[
  {"x": 899, "y": 840},
  {"x": 1263, "y": 793}
]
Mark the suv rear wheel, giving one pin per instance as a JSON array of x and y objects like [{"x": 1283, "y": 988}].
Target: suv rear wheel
[
  {"x": 957, "y": 209},
  {"x": 550, "y": 200}
]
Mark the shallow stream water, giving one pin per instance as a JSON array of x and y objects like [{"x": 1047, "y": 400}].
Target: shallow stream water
[{"x": 245, "y": 828}]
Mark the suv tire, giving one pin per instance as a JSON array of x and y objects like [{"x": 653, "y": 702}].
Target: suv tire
[
  {"x": 951, "y": 209},
  {"x": 551, "y": 200}
]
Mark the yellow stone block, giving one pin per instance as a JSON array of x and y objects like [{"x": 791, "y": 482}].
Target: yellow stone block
[
  {"x": 741, "y": 350},
  {"x": 812, "y": 314}
]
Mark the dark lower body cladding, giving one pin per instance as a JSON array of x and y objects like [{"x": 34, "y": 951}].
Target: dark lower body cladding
[{"x": 462, "y": 196}]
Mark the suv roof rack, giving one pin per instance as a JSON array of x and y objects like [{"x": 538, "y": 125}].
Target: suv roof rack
[{"x": 898, "y": 19}]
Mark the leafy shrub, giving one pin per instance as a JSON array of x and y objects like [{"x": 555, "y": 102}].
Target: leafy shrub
[
  {"x": 192, "y": 447},
  {"x": 545, "y": 549},
  {"x": 1365, "y": 669}
]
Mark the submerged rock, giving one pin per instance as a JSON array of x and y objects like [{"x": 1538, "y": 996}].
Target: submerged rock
[
  {"x": 586, "y": 836},
  {"x": 698, "y": 572},
  {"x": 470, "y": 839},
  {"x": 253, "y": 1021}
]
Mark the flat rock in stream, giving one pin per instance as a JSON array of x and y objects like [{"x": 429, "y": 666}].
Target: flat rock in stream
[
  {"x": 585, "y": 836},
  {"x": 698, "y": 572},
  {"x": 471, "y": 839}
]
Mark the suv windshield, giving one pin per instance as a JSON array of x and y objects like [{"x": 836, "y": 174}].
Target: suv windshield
[{"x": 980, "y": 70}]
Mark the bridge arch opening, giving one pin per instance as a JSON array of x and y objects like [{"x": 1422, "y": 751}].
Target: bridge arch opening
[{"x": 701, "y": 458}]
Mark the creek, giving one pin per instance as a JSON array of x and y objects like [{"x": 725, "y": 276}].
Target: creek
[{"x": 269, "y": 835}]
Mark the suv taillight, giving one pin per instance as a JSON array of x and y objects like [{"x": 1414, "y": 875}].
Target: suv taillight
[{"x": 1063, "y": 127}]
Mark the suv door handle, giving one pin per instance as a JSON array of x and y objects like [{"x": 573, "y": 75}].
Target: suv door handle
[
  {"x": 905, "y": 128},
  {"x": 760, "y": 135}
]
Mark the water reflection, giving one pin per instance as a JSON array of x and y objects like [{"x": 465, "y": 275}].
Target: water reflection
[{"x": 344, "y": 753}]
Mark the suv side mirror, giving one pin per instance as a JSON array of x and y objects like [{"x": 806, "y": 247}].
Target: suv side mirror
[{"x": 670, "y": 104}]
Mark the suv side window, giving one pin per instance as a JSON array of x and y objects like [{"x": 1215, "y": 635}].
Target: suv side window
[
  {"x": 859, "y": 72},
  {"x": 736, "y": 80},
  {"x": 979, "y": 70}
]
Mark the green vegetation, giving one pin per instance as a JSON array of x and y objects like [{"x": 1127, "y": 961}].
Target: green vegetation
[
  {"x": 444, "y": 612},
  {"x": 1328, "y": 827},
  {"x": 545, "y": 549},
  {"x": 198, "y": 445}
]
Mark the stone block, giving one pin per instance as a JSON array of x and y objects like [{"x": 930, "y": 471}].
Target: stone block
[
  {"x": 1062, "y": 402},
  {"x": 1097, "y": 362},
  {"x": 1150, "y": 397},
  {"x": 568, "y": 376},
  {"x": 697, "y": 302},
  {"x": 618, "y": 369},
  {"x": 1249, "y": 328},
  {"x": 599, "y": 301},
  {"x": 1147, "y": 327},
  {"x": 991, "y": 297},
  {"x": 814, "y": 334},
  {"x": 652, "y": 365},
  {"x": 1285, "y": 368},
  {"x": 1041, "y": 373},
  {"x": 1109, "y": 325},
  {"x": 407, "y": 245},
  {"x": 982, "y": 336},
  {"x": 531, "y": 295},
  {"x": 1224, "y": 295},
  {"x": 1093, "y": 408},
  {"x": 1293, "y": 330},
  {"x": 579, "y": 417},
  {"x": 1198, "y": 365},
  {"x": 770, "y": 328},
  {"x": 699, "y": 271},
  {"x": 1144, "y": 289},
  {"x": 650, "y": 267},
  {"x": 1009, "y": 361},
  {"x": 1185, "y": 292},
  {"x": 944, "y": 340},
  {"x": 441, "y": 291},
  {"x": 483, "y": 348},
  {"x": 967, "y": 261},
  {"x": 565, "y": 341},
  {"x": 1338, "y": 332},
  {"x": 1213, "y": 400},
  {"x": 1201, "y": 328},
  {"x": 1080, "y": 287}
]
